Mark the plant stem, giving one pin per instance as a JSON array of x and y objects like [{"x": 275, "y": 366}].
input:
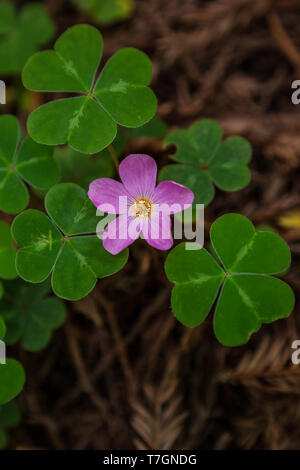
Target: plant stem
[{"x": 114, "y": 156}]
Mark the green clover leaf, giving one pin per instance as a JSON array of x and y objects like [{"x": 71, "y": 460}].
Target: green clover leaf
[
  {"x": 205, "y": 160},
  {"x": 22, "y": 34},
  {"x": 106, "y": 12},
  {"x": 12, "y": 379},
  {"x": 249, "y": 295},
  {"x": 63, "y": 244},
  {"x": 32, "y": 163},
  {"x": 29, "y": 315},
  {"x": 7, "y": 254},
  {"x": 10, "y": 417},
  {"x": 88, "y": 122}
]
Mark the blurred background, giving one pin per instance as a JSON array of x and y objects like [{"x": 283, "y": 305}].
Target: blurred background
[{"x": 123, "y": 373}]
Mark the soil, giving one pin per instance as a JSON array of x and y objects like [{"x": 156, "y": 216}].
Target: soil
[{"x": 123, "y": 373}]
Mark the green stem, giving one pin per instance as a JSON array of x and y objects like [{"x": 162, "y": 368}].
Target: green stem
[{"x": 114, "y": 156}]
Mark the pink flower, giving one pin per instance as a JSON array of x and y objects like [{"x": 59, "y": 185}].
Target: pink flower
[{"x": 144, "y": 208}]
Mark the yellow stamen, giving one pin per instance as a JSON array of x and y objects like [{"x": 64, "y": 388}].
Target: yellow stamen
[{"x": 142, "y": 207}]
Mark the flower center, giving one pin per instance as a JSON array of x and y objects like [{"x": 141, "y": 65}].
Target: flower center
[{"x": 142, "y": 207}]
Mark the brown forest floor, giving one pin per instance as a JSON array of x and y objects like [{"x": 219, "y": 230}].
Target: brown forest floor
[{"x": 122, "y": 373}]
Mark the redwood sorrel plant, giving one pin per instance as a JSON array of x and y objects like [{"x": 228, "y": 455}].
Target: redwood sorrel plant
[{"x": 73, "y": 158}]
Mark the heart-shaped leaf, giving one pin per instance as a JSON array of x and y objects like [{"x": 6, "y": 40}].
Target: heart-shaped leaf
[
  {"x": 122, "y": 88},
  {"x": 7, "y": 253},
  {"x": 80, "y": 121},
  {"x": 72, "y": 211},
  {"x": 74, "y": 253},
  {"x": 12, "y": 379},
  {"x": 241, "y": 248},
  {"x": 29, "y": 316},
  {"x": 88, "y": 122},
  {"x": 198, "y": 278},
  {"x": 33, "y": 163},
  {"x": 23, "y": 34},
  {"x": 206, "y": 160},
  {"x": 40, "y": 243},
  {"x": 249, "y": 295},
  {"x": 70, "y": 67},
  {"x": 36, "y": 165}
]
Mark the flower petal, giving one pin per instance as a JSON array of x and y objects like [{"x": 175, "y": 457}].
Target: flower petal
[
  {"x": 105, "y": 193},
  {"x": 138, "y": 173},
  {"x": 120, "y": 233},
  {"x": 174, "y": 195},
  {"x": 157, "y": 231}
]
